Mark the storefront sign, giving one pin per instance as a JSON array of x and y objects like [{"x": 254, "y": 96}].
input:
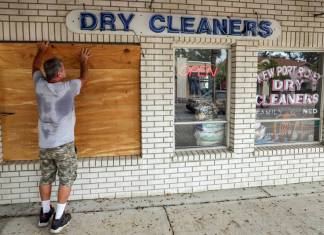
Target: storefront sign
[
  {"x": 154, "y": 24},
  {"x": 288, "y": 91}
]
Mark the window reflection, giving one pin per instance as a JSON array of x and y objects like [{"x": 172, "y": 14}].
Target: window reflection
[
  {"x": 200, "y": 95},
  {"x": 288, "y": 89}
]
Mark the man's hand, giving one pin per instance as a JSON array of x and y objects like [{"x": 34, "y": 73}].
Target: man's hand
[
  {"x": 42, "y": 48},
  {"x": 85, "y": 54}
]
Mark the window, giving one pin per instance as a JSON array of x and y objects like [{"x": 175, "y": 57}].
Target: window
[
  {"x": 288, "y": 100},
  {"x": 200, "y": 98}
]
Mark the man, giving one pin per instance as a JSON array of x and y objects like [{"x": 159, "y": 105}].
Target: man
[{"x": 56, "y": 123}]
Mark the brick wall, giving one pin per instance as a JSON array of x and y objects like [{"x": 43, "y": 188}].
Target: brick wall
[{"x": 159, "y": 170}]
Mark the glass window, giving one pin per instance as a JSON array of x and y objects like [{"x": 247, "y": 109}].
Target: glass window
[
  {"x": 200, "y": 98},
  {"x": 288, "y": 101}
]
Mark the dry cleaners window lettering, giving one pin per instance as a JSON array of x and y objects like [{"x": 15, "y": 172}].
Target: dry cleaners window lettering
[
  {"x": 288, "y": 97},
  {"x": 154, "y": 24}
]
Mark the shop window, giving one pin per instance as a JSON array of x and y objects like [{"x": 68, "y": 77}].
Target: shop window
[
  {"x": 200, "y": 98},
  {"x": 288, "y": 101}
]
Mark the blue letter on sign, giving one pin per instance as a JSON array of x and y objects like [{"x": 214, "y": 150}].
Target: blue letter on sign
[
  {"x": 186, "y": 24},
  {"x": 265, "y": 27},
  {"x": 154, "y": 28},
  {"x": 107, "y": 18},
  {"x": 204, "y": 26},
  {"x": 170, "y": 26},
  {"x": 235, "y": 27},
  {"x": 250, "y": 28},
  {"x": 125, "y": 21},
  {"x": 220, "y": 27},
  {"x": 84, "y": 23}
]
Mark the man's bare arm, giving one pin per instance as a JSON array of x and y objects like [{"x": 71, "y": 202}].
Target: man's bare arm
[
  {"x": 37, "y": 63},
  {"x": 85, "y": 54}
]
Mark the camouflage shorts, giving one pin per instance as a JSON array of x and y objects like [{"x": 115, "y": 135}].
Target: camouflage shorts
[{"x": 62, "y": 159}]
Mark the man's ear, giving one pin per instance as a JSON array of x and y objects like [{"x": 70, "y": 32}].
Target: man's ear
[{"x": 60, "y": 74}]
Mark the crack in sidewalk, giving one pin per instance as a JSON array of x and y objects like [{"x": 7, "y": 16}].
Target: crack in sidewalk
[
  {"x": 266, "y": 192},
  {"x": 167, "y": 215}
]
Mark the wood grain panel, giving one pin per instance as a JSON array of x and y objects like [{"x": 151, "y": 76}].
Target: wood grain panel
[
  {"x": 108, "y": 108},
  {"x": 20, "y": 55},
  {"x": 100, "y": 115}
]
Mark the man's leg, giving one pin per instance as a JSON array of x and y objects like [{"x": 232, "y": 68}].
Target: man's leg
[
  {"x": 66, "y": 162},
  {"x": 45, "y": 191},
  {"x": 67, "y": 171},
  {"x": 63, "y": 194},
  {"x": 62, "y": 197},
  {"x": 48, "y": 171},
  {"x": 45, "y": 194}
]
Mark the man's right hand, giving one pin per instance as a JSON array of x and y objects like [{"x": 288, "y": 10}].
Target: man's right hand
[{"x": 85, "y": 54}]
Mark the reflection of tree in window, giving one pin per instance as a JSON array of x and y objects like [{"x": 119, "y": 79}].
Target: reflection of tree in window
[
  {"x": 265, "y": 64},
  {"x": 312, "y": 59}
]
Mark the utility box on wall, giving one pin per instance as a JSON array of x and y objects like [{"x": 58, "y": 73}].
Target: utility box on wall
[{"x": 107, "y": 109}]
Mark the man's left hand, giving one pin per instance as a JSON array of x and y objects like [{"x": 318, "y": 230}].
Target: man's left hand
[{"x": 43, "y": 46}]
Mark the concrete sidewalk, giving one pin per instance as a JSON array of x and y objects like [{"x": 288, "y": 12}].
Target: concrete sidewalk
[{"x": 288, "y": 209}]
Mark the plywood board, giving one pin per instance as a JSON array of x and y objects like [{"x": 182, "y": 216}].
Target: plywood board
[
  {"x": 108, "y": 108},
  {"x": 103, "y": 56}
]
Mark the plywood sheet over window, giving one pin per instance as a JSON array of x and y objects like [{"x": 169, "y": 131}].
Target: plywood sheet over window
[{"x": 108, "y": 108}]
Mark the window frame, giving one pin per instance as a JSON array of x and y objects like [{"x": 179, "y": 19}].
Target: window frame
[
  {"x": 320, "y": 118},
  {"x": 228, "y": 91}
]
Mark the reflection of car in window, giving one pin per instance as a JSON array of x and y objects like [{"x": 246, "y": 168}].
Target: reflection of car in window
[
  {"x": 220, "y": 95},
  {"x": 217, "y": 105}
]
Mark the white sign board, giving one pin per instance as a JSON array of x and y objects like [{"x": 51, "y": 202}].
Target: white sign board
[{"x": 155, "y": 24}]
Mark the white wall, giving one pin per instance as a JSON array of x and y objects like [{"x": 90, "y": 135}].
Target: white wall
[{"x": 159, "y": 170}]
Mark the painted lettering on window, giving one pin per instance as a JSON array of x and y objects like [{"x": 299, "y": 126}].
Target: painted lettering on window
[{"x": 286, "y": 84}]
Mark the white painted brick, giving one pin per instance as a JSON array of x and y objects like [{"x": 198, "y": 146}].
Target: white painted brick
[
  {"x": 9, "y": 174},
  {"x": 90, "y": 196},
  {"x": 139, "y": 194},
  {"x": 89, "y": 175},
  {"x": 305, "y": 179},
  {"x": 29, "y": 195},
  {"x": 89, "y": 186},
  {"x": 293, "y": 181},
  {"x": 146, "y": 187},
  {"x": 107, "y": 185},
  {"x": 131, "y": 189},
  {"x": 123, "y": 184},
  {"x": 272, "y": 167},
  {"x": 19, "y": 179},
  {"x": 184, "y": 169},
  {"x": 4, "y": 180},
  {"x": 114, "y": 190},
  {"x": 97, "y": 180},
  {"x": 156, "y": 192}
]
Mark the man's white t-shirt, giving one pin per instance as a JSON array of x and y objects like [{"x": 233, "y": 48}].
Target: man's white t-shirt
[{"x": 56, "y": 115}]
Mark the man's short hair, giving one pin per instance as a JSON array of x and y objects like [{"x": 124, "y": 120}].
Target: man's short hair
[{"x": 52, "y": 67}]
